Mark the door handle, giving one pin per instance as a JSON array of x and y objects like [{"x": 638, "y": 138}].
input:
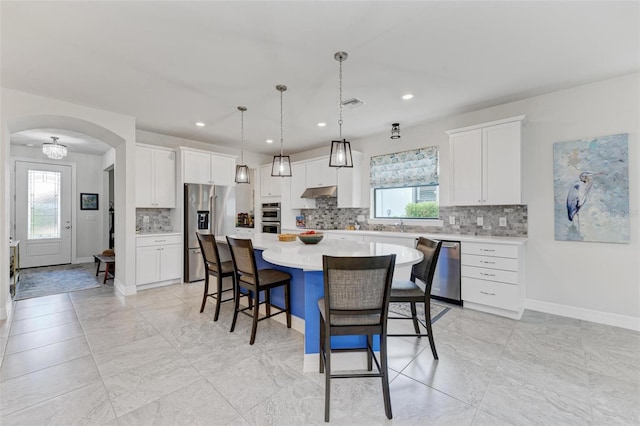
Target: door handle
[{"x": 67, "y": 227}]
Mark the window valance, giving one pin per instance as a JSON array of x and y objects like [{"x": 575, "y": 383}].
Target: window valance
[{"x": 417, "y": 167}]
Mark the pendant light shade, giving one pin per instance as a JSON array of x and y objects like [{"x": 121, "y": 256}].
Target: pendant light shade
[
  {"x": 54, "y": 150},
  {"x": 340, "y": 154},
  {"x": 340, "y": 149},
  {"x": 242, "y": 170},
  {"x": 281, "y": 166},
  {"x": 395, "y": 131}
]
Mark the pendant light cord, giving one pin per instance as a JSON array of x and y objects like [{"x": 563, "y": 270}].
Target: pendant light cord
[
  {"x": 242, "y": 136},
  {"x": 281, "y": 126},
  {"x": 340, "y": 106}
]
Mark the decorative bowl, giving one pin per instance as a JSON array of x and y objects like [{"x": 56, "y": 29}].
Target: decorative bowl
[{"x": 314, "y": 238}]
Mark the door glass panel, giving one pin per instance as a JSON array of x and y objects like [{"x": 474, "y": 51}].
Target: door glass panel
[{"x": 44, "y": 204}]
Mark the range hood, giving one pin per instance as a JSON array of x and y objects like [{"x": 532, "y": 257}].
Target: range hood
[{"x": 321, "y": 192}]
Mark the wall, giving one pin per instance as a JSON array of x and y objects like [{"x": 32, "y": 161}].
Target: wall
[
  {"x": 594, "y": 281},
  {"x": 89, "y": 225}
]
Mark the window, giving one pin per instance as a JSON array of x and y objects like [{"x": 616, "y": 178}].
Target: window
[
  {"x": 405, "y": 184},
  {"x": 43, "y": 208}
]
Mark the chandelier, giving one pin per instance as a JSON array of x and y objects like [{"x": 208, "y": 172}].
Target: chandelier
[{"x": 54, "y": 150}]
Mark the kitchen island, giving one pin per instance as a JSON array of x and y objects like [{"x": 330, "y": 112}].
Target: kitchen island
[{"x": 304, "y": 263}]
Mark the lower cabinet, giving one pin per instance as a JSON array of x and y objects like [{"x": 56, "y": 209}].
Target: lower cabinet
[
  {"x": 493, "y": 278},
  {"x": 158, "y": 259}
]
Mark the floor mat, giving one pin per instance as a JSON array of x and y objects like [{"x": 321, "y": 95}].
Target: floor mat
[{"x": 38, "y": 282}]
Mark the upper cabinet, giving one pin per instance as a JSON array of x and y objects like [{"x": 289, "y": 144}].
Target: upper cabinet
[
  {"x": 486, "y": 163},
  {"x": 318, "y": 173},
  {"x": 350, "y": 193},
  {"x": 155, "y": 177},
  {"x": 298, "y": 185},
  {"x": 208, "y": 168},
  {"x": 270, "y": 186}
]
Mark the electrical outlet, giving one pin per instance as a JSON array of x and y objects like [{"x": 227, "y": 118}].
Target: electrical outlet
[
  {"x": 480, "y": 221},
  {"x": 452, "y": 220},
  {"x": 503, "y": 221},
  {"x": 360, "y": 218},
  {"x": 145, "y": 219}
]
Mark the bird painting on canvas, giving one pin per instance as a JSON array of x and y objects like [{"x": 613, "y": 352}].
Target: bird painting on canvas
[{"x": 577, "y": 196}]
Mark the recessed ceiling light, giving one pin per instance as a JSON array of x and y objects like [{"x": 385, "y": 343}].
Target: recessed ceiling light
[
  {"x": 407, "y": 96},
  {"x": 269, "y": 140},
  {"x": 200, "y": 124},
  {"x": 322, "y": 124},
  {"x": 30, "y": 144}
]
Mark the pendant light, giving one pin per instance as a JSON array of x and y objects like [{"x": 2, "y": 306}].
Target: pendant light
[
  {"x": 281, "y": 163},
  {"x": 340, "y": 149},
  {"x": 395, "y": 131},
  {"x": 242, "y": 170},
  {"x": 54, "y": 150}
]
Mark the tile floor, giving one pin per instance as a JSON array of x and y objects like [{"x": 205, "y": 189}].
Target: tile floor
[{"x": 95, "y": 357}]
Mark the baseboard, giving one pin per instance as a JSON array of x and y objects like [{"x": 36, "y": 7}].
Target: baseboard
[
  {"x": 6, "y": 310},
  {"x": 84, "y": 259},
  {"x": 616, "y": 320},
  {"x": 123, "y": 289}
]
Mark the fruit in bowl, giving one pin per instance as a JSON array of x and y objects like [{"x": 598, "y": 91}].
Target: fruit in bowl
[{"x": 310, "y": 237}]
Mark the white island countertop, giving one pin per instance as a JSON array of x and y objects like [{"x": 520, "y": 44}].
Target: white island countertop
[
  {"x": 431, "y": 235},
  {"x": 295, "y": 254}
]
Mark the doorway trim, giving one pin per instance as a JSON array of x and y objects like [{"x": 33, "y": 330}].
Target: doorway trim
[{"x": 74, "y": 204}]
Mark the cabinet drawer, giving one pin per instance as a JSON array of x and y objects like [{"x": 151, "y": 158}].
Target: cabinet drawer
[
  {"x": 490, "y": 293},
  {"x": 503, "y": 263},
  {"x": 499, "y": 250},
  {"x": 158, "y": 240},
  {"x": 509, "y": 277}
]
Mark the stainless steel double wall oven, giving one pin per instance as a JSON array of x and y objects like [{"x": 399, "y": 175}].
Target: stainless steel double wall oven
[{"x": 270, "y": 218}]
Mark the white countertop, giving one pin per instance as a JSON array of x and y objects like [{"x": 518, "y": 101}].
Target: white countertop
[
  {"x": 434, "y": 236},
  {"x": 295, "y": 254},
  {"x": 157, "y": 234}
]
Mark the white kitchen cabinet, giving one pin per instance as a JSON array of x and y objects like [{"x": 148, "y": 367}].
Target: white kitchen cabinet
[
  {"x": 155, "y": 177},
  {"x": 318, "y": 173},
  {"x": 270, "y": 186},
  {"x": 298, "y": 185},
  {"x": 486, "y": 163},
  {"x": 207, "y": 168},
  {"x": 493, "y": 278},
  {"x": 349, "y": 181},
  {"x": 158, "y": 259}
]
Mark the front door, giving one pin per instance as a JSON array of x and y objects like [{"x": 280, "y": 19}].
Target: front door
[{"x": 43, "y": 213}]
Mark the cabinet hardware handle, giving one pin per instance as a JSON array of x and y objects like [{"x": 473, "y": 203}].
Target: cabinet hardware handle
[
  {"x": 487, "y": 275},
  {"x": 487, "y": 262},
  {"x": 487, "y": 250},
  {"x": 160, "y": 241},
  {"x": 488, "y": 294}
]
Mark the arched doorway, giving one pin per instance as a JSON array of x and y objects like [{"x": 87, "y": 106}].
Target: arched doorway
[{"x": 116, "y": 131}]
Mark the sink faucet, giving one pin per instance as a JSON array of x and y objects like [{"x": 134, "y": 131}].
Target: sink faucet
[{"x": 401, "y": 225}]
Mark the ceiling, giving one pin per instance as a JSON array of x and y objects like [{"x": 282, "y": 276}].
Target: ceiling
[{"x": 170, "y": 64}]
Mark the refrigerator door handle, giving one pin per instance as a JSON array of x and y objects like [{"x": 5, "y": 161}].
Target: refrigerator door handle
[{"x": 213, "y": 218}]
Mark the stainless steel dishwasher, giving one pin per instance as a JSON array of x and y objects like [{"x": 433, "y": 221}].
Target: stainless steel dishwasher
[{"x": 446, "y": 280}]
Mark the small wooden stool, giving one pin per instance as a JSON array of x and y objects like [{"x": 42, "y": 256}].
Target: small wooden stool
[{"x": 109, "y": 266}]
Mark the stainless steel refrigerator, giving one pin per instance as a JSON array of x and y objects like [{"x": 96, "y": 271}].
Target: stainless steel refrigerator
[{"x": 207, "y": 209}]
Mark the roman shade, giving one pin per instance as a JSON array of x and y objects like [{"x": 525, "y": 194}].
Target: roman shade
[{"x": 417, "y": 167}]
